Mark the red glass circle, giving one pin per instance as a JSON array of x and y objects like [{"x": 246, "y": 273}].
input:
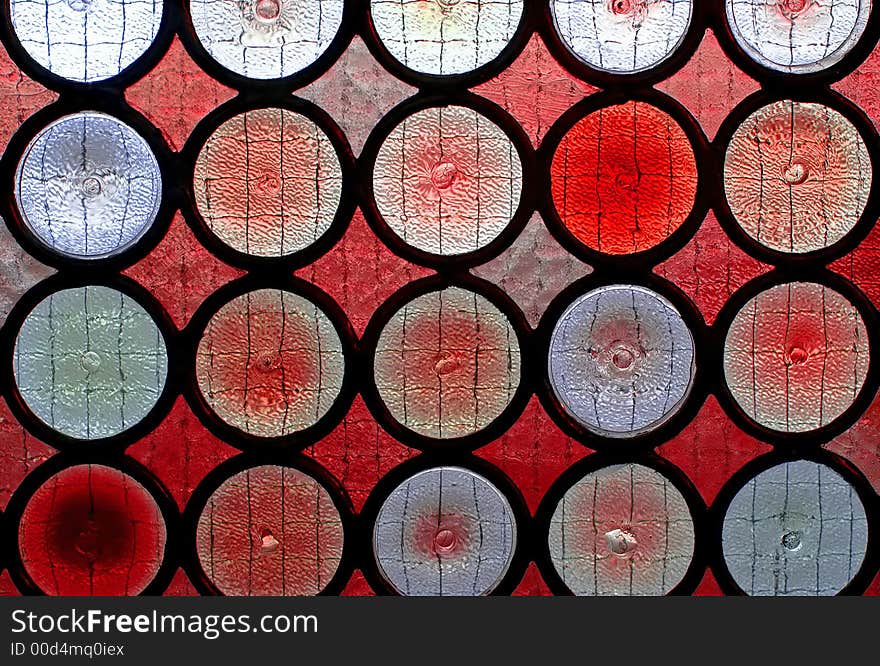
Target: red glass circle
[
  {"x": 270, "y": 530},
  {"x": 796, "y": 356},
  {"x": 270, "y": 363},
  {"x": 624, "y": 178},
  {"x": 92, "y": 530}
]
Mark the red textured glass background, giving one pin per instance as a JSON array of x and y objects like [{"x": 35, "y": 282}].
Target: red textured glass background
[
  {"x": 360, "y": 272},
  {"x": 92, "y": 530}
]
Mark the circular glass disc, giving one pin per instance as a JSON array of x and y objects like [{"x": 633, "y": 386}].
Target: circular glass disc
[
  {"x": 88, "y": 186},
  {"x": 622, "y": 360},
  {"x": 796, "y": 529},
  {"x": 90, "y": 362},
  {"x": 445, "y": 532}
]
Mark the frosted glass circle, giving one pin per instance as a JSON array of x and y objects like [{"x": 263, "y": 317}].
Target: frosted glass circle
[
  {"x": 445, "y": 531},
  {"x": 622, "y": 36},
  {"x": 447, "y": 180},
  {"x": 622, "y": 530},
  {"x": 444, "y": 37},
  {"x": 797, "y": 36},
  {"x": 447, "y": 364},
  {"x": 268, "y": 182},
  {"x": 797, "y": 176},
  {"x": 90, "y": 362},
  {"x": 796, "y": 356},
  {"x": 88, "y": 186},
  {"x": 86, "y": 40},
  {"x": 796, "y": 529},
  {"x": 270, "y": 531},
  {"x": 266, "y": 39},
  {"x": 622, "y": 360},
  {"x": 92, "y": 530},
  {"x": 270, "y": 363}
]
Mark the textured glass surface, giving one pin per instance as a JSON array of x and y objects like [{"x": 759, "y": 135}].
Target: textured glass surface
[
  {"x": 622, "y": 530},
  {"x": 624, "y": 178},
  {"x": 86, "y": 40},
  {"x": 797, "y": 36},
  {"x": 88, "y": 186},
  {"x": 796, "y": 356},
  {"x": 622, "y": 36},
  {"x": 621, "y": 360},
  {"x": 90, "y": 362},
  {"x": 623, "y": 182},
  {"x": 797, "y": 176},
  {"x": 444, "y": 37},
  {"x": 446, "y": 531},
  {"x": 92, "y": 530},
  {"x": 270, "y": 531},
  {"x": 447, "y": 364},
  {"x": 795, "y": 529},
  {"x": 447, "y": 180},
  {"x": 268, "y": 182},
  {"x": 270, "y": 363},
  {"x": 266, "y": 39}
]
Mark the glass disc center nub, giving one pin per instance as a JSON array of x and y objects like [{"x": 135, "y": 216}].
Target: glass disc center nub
[
  {"x": 268, "y": 361},
  {"x": 620, "y": 542},
  {"x": 620, "y": 358},
  {"x": 791, "y": 540},
  {"x": 268, "y": 542},
  {"x": 443, "y": 174},
  {"x": 795, "y": 174},
  {"x": 445, "y": 364},
  {"x": 91, "y": 187},
  {"x": 444, "y": 541},
  {"x": 90, "y": 361},
  {"x": 267, "y": 10},
  {"x": 791, "y": 8},
  {"x": 797, "y": 355},
  {"x": 88, "y": 541}
]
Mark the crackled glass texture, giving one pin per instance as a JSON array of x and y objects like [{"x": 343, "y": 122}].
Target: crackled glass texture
[
  {"x": 270, "y": 363},
  {"x": 797, "y": 176},
  {"x": 268, "y": 182},
  {"x": 92, "y": 530},
  {"x": 624, "y": 178},
  {"x": 623, "y": 530},
  {"x": 270, "y": 531},
  {"x": 266, "y": 39},
  {"x": 90, "y": 362},
  {"x": 445, "y": 531},
  {"x": 797, "y": 36},
  {"x": 622, "y": 36},
  {"x": 86, "y": 40},
  {"x": 796, "y": 356},
  {"x": 88, "y": 186},
  {"x": 796, "y": 529},
  {"x": 447, "y": 364},
  {"x": 621, "y": 360},
  {"x": 445, "y": 37},
  {"x": 447, "y": 180}
]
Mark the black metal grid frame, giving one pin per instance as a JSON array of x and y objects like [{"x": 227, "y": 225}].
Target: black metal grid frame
[{"x": 107, "y": 96}]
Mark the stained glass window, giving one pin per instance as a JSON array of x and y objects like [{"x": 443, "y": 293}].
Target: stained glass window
[{"x": 439, "y": 297}]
